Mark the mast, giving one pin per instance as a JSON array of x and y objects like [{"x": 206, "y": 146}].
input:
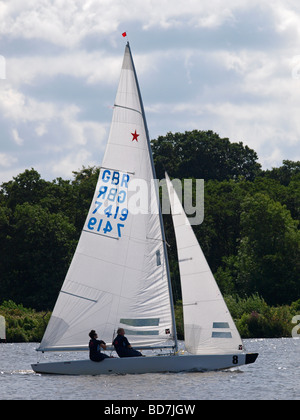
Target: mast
[{"x": 159, "y": 207}]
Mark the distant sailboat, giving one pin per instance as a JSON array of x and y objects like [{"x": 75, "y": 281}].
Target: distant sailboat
[
  {"x": 119, "y": 275},
  {"x": 2, "y": 329}
]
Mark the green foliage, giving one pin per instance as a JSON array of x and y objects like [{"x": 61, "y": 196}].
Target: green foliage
[
  {"x": 179, "y": 319},
  {"x": 267, "y": 256},
  {"x": 250, "y": 233},
  {"x": 253, "y": 317},
  {"x": 23, "y": 324},
  {"x": 40, "y": 225},
  {"x": 273, "y": 323},
  {"x": 285, "y": 173},
  {"x": 239, "y": 306},
  {"x": 37, "y": 254},
  {"x": 203, "y": 154}
]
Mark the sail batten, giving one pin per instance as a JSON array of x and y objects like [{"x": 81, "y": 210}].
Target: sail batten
[{"x": 130, "y": 109}]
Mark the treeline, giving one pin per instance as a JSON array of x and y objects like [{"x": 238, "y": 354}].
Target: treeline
[
  {"x": 40, "y": 224},
  {"x": 253, "y": 317},
  {"x": 23, "y": 325},
  {"x": 250, "y": 233}
]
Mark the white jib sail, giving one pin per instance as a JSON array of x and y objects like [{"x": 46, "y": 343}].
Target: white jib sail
[
  {"x": 208, "y": 325},
  {"x": 118, "y": 275}
]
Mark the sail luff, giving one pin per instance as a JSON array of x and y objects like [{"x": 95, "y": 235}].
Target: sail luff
[{"x": 159, "y": 207}]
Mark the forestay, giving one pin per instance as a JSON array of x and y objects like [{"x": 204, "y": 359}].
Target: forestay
[
  {"x": 208, "y": 325},
  {"x": 119, "y": 274}
]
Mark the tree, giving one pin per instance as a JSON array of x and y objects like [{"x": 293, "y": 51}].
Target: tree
[
  {"x": 292, "y": 200},
  {"x": 36, "y": 256},
  {"x": 26, "y": 187},
  {"x": 84, "y": 185},
  {"x": 284, "y": 173},
  {"x": 249, "y": 235},
  {"x": 268, "y": 257},
  {"x": 203, "y": 155},
  {"x": 40, "y": 223}
]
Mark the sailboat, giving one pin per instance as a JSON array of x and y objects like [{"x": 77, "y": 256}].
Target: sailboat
[
  {"x": 119, "y": 275},
  {"x": 2, "y": 329}
]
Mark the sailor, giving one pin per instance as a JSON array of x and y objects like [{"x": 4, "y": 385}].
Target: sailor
[
  {"x": 95, "y": 348},
  {"x": 123, "y": 347}
]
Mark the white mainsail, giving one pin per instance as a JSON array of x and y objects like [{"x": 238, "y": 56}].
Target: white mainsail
[
  {"x": 119, "y": 274},
  {"x": 208, "y": 325}
]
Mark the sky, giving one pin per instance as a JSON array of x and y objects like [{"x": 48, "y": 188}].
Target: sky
[{"x": 232, "y": 67}]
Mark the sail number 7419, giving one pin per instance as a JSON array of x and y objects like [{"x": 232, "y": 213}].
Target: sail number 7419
[{"x": 109, "y": 205}]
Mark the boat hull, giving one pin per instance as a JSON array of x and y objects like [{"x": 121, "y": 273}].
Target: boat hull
[{"x": 149, "y": 364}]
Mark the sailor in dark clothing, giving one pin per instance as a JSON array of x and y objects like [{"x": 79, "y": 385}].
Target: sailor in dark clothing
[
  {"x": 95, "y": 348},
  {"x": 123, "y": 347}
]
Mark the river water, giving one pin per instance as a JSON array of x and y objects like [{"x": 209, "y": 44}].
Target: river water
[{"x": 274, "y": 376}]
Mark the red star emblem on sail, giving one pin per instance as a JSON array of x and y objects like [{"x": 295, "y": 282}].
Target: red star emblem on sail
[{"x": 135, "y": 136}]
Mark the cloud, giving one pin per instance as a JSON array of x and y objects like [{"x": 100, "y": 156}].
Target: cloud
[
  {"x": 51, "y": 135},
  {"x": 67, "y": 23},
  {"x": 16, "y": 137},
  {"x": 30, "y": 70},
  {"x": 232, "y": 68},
  {"x": 287, "y": 18},
  {"x": 71, "y": 162},
  {"x": 6, "y": 161},
  {"x": 19, "y": 107}
]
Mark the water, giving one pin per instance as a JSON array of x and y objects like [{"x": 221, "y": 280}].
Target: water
[{"x": 274, "y": 375}]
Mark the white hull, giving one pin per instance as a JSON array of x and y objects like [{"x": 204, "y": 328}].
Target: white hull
[{"x": 151, "y": 364}]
